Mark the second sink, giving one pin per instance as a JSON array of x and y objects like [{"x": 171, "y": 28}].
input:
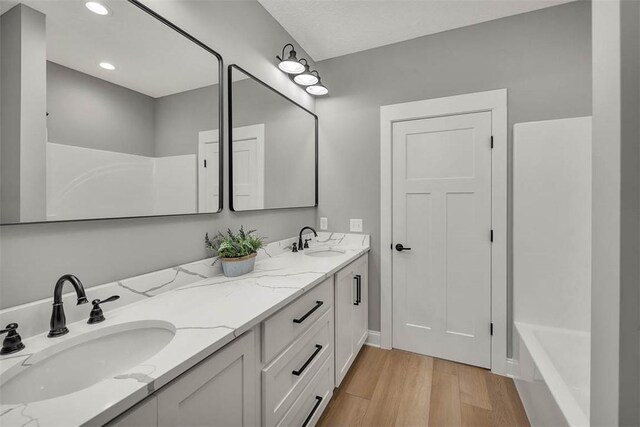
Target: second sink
[{"x": 324, "y": 252}]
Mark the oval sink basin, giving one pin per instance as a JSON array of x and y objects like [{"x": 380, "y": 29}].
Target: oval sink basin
[
  {"x": 83, "y": 361},
  {"x": 324, "y": 252}
]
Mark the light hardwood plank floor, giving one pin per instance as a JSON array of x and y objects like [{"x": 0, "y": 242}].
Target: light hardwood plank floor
[{"x": 398, "y": 388}]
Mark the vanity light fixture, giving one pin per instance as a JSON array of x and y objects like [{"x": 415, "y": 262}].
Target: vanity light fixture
[
  {"x": 317, "y": 89},
  {"x": 98, "y": 8},
  {"x": 306, "y": 78},
  {"x": 107, "y": 66},
  {"x": 291, "y": 65},
  {"x": 300, "y": 72}
]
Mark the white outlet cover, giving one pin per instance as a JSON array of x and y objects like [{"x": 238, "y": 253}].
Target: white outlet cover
[
  {"x": 355, "y": 225},
  {"x": 323, "y": 223}
]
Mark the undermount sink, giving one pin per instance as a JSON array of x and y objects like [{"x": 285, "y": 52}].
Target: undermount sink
[
  {"x": 85, "y": 360},
  {"x": 324, "y": 252}
]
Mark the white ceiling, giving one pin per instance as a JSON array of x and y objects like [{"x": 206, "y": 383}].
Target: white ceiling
[
  {"x": 149, "y": 57},
  {"x": 330, "y": 28}
]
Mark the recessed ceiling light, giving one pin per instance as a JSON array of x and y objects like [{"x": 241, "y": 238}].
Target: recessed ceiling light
[
  {"x": 97, "y": 8},
  {"x": 107, "y": 66}
]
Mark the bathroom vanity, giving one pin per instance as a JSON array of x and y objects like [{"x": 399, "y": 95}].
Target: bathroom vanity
[{"x": 266, "y": 348}]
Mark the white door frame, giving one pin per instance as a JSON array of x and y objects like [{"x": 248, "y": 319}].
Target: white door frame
[
  {"x": 206, "y": 137},
  {"x": 494, "y": 101}
]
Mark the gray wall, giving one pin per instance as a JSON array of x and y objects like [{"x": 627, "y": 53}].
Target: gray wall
[
  {"x": 543, "y": 58},
  {"x": 85, "y": 111},
  {"x": 179, "y": 118},
  {"x": 615, "y": 321},
  {"x": 35, "y": 255}
]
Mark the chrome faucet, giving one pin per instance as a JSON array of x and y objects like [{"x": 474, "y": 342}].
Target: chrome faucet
[
  {"x": 58, "y": 319},
  {"x": 301, "y": 245}
]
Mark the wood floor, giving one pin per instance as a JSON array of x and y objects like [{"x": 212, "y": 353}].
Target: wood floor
[{"x": 397, "y": 388}]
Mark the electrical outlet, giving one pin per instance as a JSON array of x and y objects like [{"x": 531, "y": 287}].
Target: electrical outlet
[
  {"x": 323, "y": 223},
  {"x": 355, "y": 225}
]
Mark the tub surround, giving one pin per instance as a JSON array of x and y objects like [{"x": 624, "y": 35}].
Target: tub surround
[{"x": 207, "y": 309}]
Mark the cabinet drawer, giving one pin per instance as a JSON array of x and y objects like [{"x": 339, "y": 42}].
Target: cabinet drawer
[
  {"x": 313, "y": 400},
  {"x": 287, "y": 376},
  {"x": 281, "y": 329}
]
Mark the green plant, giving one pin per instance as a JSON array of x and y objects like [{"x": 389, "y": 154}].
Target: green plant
[{"x": 232, "y": 245}]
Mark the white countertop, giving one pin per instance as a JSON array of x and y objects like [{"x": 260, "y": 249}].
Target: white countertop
[{"x": 207, "y": 314}]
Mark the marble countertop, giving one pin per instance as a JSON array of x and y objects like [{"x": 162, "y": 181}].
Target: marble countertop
[{"x": 207, "y": 314}]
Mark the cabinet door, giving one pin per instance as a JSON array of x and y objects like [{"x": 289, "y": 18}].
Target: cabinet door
[
  {"x": 144, "y": 414},
  {"x": 344, "y": 303},
  {"x": 220, "y": 391},
  {"x": 361, "y": 310}
]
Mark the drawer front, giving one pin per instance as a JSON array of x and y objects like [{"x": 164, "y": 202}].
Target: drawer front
[
  {"x": 313, "y": 400},
  {"x": 281, "y": 329},
  {"x": 289, "y": 373}
]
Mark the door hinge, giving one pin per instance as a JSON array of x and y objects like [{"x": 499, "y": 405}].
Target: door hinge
[
  {"x": 491, "y": 141},
  {"x": 492, "y": 235},
  {"x": 205, "y": 163},
  {"x": 491, "y": 328}
]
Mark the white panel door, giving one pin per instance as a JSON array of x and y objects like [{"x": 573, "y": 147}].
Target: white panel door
[
  {"x": 208, "y": 171},
  {"x": 248, "y": 167},
  {"x": 442, "y": 212}
]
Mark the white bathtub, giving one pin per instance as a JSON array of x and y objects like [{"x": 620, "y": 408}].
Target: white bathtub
[{"x": 554, "y": 375}]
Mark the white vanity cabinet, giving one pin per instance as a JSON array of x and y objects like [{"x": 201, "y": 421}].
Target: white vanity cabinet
[
  {"x": 351, "y": 314},
  {"x": 298, "y": 344},
  {"x": 144, "y": 414},
  {"x": 280, "y": 373},
  {"x": 220, "y": 391}
]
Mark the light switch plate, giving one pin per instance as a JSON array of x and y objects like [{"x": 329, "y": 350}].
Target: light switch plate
[
  {"x": 355, "y": 225},
  {"x": 323, "y": 223}
]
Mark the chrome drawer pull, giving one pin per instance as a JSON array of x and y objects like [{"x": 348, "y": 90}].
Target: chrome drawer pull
[{"x": 313, "y": 356}]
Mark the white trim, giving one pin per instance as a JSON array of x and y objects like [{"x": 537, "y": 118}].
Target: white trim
[
  {"x": 373, "y": 339},
  {"x": 496, "y": 102},
  {"x": 204, "y": 137},
  {"x": 513, "y": 368}
]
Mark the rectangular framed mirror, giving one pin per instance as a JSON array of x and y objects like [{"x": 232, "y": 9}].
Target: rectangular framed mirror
[
  {"x": 273, "y": 147},
  {"x": 114, "y": 112}
]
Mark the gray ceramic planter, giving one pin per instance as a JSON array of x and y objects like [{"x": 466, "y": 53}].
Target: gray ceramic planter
[{"x": 234, "y": 267}]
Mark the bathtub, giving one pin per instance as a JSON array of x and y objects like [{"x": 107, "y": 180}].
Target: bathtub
[{"x": 553, "y": 375}]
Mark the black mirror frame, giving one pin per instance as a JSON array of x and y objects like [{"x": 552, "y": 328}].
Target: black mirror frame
[
  {"x": 230, "y": 69},
  {"x": 188, "y": 36}
]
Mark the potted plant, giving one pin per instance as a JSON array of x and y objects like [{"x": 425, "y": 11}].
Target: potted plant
[{"x": 237, "y": 252}]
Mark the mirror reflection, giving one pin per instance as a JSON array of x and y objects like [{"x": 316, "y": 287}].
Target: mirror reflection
[
  {"x": 106, "y": 112},
  {"x": 273, "y": 147}
]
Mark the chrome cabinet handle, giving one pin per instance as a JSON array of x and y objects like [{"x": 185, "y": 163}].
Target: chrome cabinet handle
[
  {"x": 358, "y": 289},
  {"x": 309, "y": 313}
]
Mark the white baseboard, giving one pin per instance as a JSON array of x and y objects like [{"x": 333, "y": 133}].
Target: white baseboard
[
  {"x": 512, "y": 368},
  {"x": 373, "y": 339}
]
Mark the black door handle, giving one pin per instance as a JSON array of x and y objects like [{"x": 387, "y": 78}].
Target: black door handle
[{"x": 401, "y": 248}]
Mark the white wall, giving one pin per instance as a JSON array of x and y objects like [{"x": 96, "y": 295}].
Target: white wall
[
  {"x": 35, "y": 255},
  {"x": 552, "y": 223},
  {"x": 615, "y": 349},
  {"x": 85, "y": 183}
]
